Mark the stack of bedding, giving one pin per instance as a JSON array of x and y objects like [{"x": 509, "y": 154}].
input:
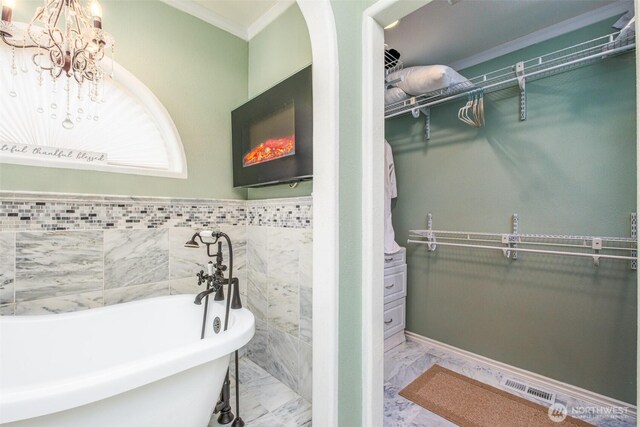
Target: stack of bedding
[{"x": 414, "y": 81}]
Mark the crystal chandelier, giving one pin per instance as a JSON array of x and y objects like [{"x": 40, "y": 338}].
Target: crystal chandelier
[{"x": 66, "y": 42}]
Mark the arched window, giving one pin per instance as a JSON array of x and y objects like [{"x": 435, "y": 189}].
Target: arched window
[{"x": 127, "y": 131}]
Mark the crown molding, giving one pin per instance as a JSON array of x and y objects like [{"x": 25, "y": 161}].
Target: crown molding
[
  {"x": 268, "y": 17},
  {"x": 194, "y": 9},
  {"x": 564, "y": 27}
]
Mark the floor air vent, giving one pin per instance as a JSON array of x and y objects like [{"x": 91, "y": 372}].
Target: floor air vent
[{"x": 534, "y": 392}]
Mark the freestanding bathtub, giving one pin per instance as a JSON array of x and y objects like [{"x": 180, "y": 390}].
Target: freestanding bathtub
[{"x": 137, "y": 364}]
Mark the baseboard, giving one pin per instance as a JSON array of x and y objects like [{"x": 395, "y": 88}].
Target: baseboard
[
  {"x": 394, "y": 341},
  {"x": 590, "y": 397}
]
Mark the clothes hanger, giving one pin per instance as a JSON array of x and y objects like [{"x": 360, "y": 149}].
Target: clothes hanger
[
  {"x": 463, "y": 112},
  {"x": 478, "y": 108},
  {"x": 475, "y": 111},
  {"x": 481, "y": 107},
  {"x": 475, "y": 107}
]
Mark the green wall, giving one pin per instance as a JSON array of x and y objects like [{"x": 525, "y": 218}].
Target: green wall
[
  {"x": 278, "y": 51},
  {"x": 570, "y": 168},
  {"x": 348, "y": 17},
  {"x": 198, "y": 72}
]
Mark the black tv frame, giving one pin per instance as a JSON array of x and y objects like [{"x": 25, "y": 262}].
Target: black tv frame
[{"x": 297, "y": 167}]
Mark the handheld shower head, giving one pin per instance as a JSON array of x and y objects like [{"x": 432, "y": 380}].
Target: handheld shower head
[
  {"x": 200, "y": 234},
  {"x": 192, "y": 243}
]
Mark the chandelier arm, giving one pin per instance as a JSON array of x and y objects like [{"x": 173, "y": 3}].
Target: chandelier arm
[
  {"x": 38, "y": 14},
  {"x": 37, "y": 17},
  {"x": 59, "y": 53},
  {"x": 50, "y": 69},
  {"x": 79, "y": 66},
  {"x": 52, "y": 72},
  {"x": 35, "y": 62},
  {"x": 58, "y": 5},
  {"x": 37, "y": 44},
  {"x": 11, "y": 43},
  {"x": 78, "y": 15}
]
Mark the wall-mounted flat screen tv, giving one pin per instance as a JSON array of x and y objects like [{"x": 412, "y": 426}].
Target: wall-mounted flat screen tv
[{"x": 272, "y": 134}]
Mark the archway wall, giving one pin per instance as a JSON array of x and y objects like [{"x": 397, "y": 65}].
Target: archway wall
[
  {"x": 348, "y": 18},
  {"x": 275, "y": 53}
]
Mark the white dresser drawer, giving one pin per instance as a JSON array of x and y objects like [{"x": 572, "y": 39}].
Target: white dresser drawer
[
  {"x": 391, "y": 260},
  {"x": 394, "y": 317},
  {"x": 395, "y": 283}
]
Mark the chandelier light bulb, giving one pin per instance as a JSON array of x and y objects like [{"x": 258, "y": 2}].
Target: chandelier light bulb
[
  {"x": 96, "y": 14},
  {"x": 96, "y": 9},
  {"x": 7, "y": 9}
]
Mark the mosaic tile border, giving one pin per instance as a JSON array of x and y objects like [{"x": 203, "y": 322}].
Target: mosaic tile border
[
  {"x": 287, "y": 213},
  {"x": 54, "y": 212}
]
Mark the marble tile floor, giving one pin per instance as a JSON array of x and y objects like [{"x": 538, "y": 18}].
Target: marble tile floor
[
  {"x": 408, "y": 361},
  {"x": 265, "y": 401}
]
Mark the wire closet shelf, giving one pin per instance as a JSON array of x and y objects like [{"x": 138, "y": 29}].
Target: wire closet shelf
[
  {"x": 510, "y": 244},
  {"x": 557, "y": 62}
]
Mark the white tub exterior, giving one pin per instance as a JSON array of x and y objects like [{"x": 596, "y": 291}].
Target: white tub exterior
[{"x": 140, "y": 363}]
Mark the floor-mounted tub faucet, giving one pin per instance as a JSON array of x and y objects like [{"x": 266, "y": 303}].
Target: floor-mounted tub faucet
[{"x": 215, "y": 281}]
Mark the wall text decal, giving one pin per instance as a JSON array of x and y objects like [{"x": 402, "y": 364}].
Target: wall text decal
[{"x": 13, "y": 150}]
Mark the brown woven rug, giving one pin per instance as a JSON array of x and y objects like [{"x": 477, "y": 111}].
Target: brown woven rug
[{"x": 470, "y": 403}]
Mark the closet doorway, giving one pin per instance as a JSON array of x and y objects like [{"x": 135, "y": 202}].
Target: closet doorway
[{"x": 523, "y": 176}]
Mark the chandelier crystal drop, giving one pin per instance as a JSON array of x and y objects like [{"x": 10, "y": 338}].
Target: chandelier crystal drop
[{"x": 65, "y": 41}]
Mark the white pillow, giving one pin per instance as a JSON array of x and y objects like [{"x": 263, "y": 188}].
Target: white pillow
[
  {"x": 419, "y": 80},
  {"x": 394, "y": 94},
  {"x": 628, "y": 31}
]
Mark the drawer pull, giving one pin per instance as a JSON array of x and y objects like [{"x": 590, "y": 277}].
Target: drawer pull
[
  {"x": 388, "y": 259},
  {"x": 390, "y": 286},
  {"x": 386, "y": 322}
]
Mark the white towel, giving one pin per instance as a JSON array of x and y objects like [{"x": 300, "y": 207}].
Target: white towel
[{"x": 390, "y": 192}]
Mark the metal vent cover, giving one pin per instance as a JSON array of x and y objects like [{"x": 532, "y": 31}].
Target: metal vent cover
[{"x": 535, "y": 392}]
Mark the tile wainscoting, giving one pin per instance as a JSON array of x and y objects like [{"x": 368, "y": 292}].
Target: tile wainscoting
[
  {"x": 279, "y": 293},
  {"x": 61, "y": 253}
]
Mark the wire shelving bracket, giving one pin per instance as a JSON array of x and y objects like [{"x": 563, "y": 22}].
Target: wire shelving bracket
[
  {"x": 514, "y": 230},
  {"x": 427, "y": 120},
  {"x": 427, "y": 123},
  {"x": 634, "y": 235},
  {"x": 523, "y": 90}
]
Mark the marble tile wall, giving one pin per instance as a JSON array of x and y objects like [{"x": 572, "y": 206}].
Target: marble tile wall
[
  {"x": 61, "y": 271},
  {"x": 61, "y": 253},
  {"x": 279, "y": 293}
]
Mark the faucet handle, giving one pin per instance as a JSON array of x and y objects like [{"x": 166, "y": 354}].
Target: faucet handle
[{"x": 201, "y": 277}]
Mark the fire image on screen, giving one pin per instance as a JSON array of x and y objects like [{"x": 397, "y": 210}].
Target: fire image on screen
[{"x": 272, "y": 137}]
